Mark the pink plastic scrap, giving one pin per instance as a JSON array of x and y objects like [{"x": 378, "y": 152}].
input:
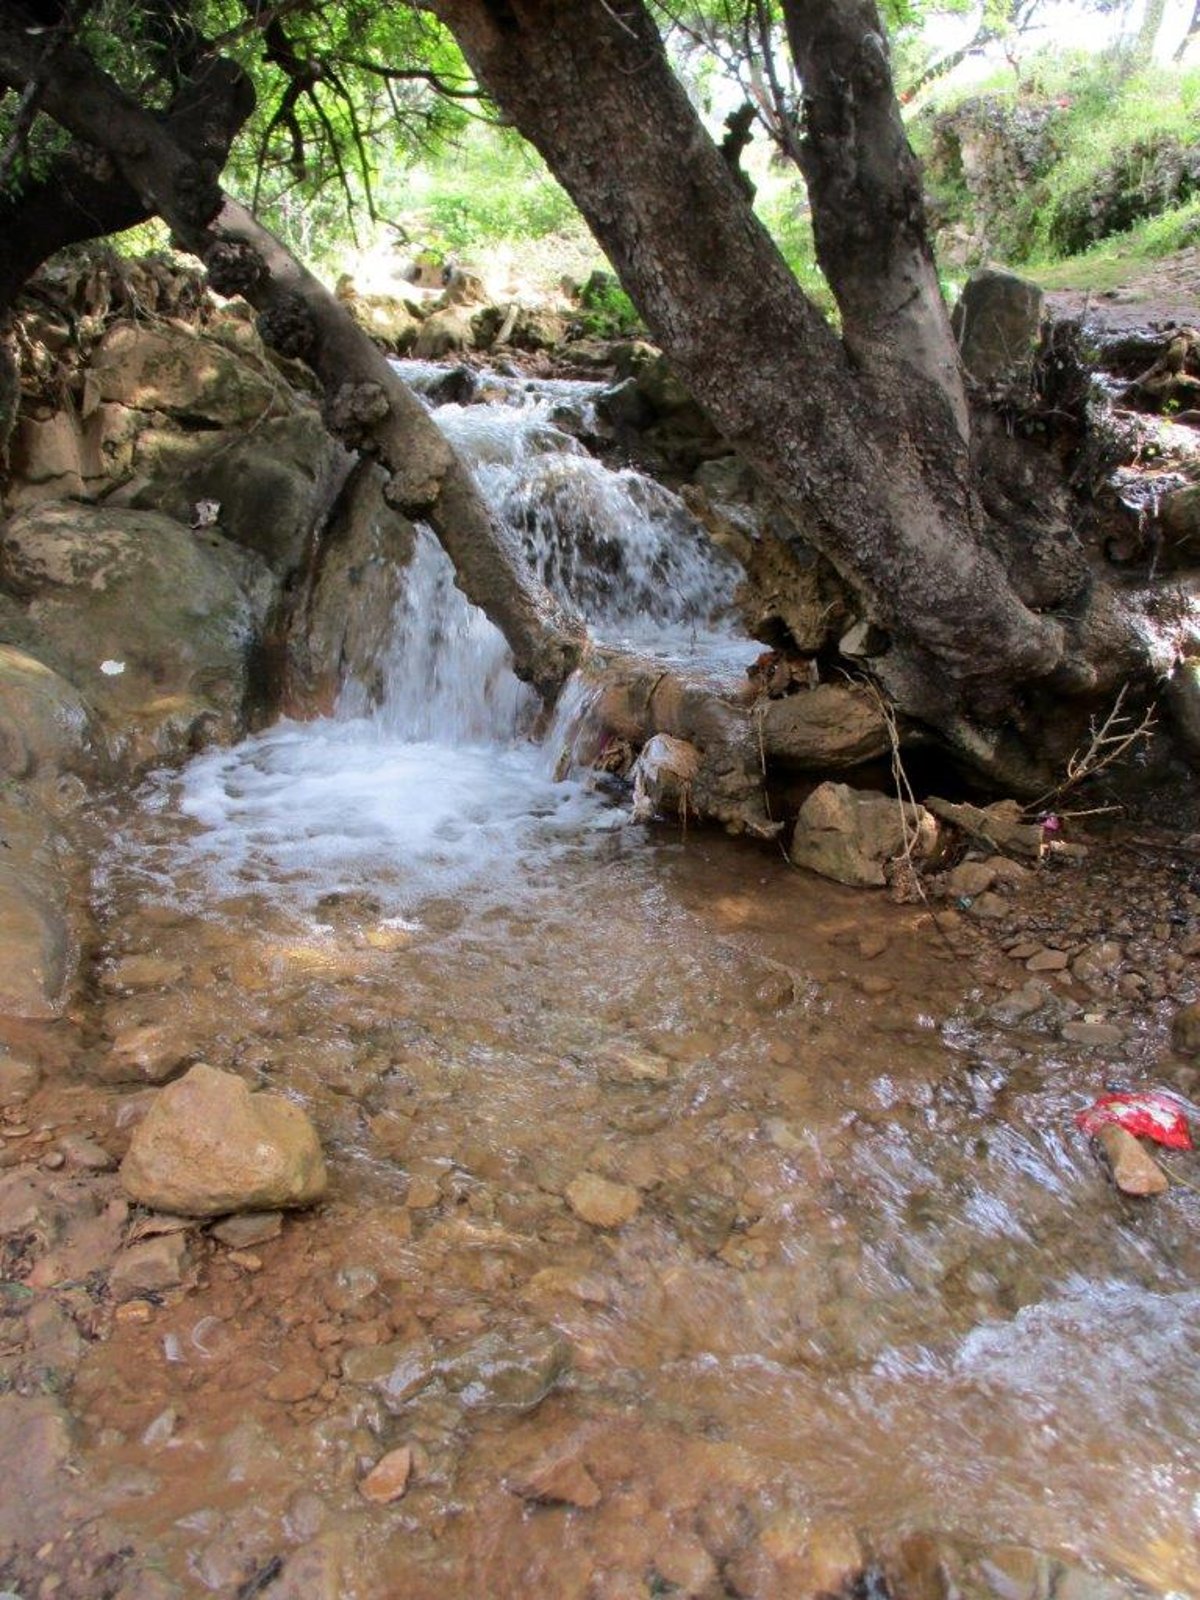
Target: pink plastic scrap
[{"x": 1150, "y": 1115}]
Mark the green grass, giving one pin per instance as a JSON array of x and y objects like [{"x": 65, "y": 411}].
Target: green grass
[
  {"x": 1119, "y": 156},
  {"x": 1114, "y": 260}
]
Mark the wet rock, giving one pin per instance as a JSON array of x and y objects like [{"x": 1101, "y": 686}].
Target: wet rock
[
  {"x": 317, "y": 1571},
  {"x": 915, "y": 1568},
  {"x": 1185, "y": 1029},
  {"x": 208, "y": 1146},
  {"x": 1097, "y": 963},
  {"x": 150, "y": 1052},
  {"x": 388, "y": 1478},
  {"x": 1094, "y": 1035},
  {"x": 1048, "y": 961},
  {"x": 40, "y": 950},
  {"x": 625, "y": 406},
  {"x": 508, "y": 1369},
  {"x": 135, "y": 973},
  {"x": 46, "y": 727},
  {"x": 1014, "y": 1572},
  {"x": 295, "y": 1383},
  {"x": 395, "y": 1372},
  {"x": 558, "y": 1479},
  {"x": 242, "y": 1233},
  {"x": 18, "y": 1079},
  {"x": 1134, "y": 1170},
  {"x": 795, "y": 1554},
  {"x": 664, "y": 776},
  {"x": 1075, "y": 1583},
  {"x": 851, "y": 835},
  {"x": 346, "y": 620},
  {"x": 152, "y": 1265},
  {"x": 601, "y": 1203},
  {"x": 36, "y": 1433}
]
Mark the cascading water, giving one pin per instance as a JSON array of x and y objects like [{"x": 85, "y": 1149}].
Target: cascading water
[
  {"x": 728, "y": 1166},
  {"x": 439, "y": 780}
]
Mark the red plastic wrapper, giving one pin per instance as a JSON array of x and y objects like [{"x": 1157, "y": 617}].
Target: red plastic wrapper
[{"x": 1149, "y": 1114}]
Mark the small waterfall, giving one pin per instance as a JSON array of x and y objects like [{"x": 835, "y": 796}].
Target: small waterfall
[{"x": 439, "y": 787}]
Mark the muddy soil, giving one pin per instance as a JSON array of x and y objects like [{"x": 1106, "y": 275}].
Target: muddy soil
[{"x": 696, "y": 1228}]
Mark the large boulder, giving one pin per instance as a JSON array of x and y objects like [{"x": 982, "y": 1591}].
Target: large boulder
[
  {"x": 851, "y": 835},
  {"x": 208, "y": 1146},
  {"x": 46, "y": 727},
  {"x": 157, "y": 626},
  {"x": 270, "y": 488},
  {"x": 39, "y": 951},
  {"x": 998, "y": 323},
  {"x": 173, "y": 370}
]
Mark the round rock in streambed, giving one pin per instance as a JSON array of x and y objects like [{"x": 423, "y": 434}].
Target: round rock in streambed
[{"x": 208, "y": 1146}]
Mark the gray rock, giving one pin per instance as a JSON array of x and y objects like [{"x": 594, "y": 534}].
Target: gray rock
[
  {"x": 997, "y": 323},
  {"x": 827, "y": 727},
  {"x": 156, "y": 625},
  {"x": 46, "y": 727},
  {"x": 244, "y": 1232},
  {"x": 172, "y": 370},
  {"x": 154, "y": 1264},
  {"x": 508, "y": 1369}
]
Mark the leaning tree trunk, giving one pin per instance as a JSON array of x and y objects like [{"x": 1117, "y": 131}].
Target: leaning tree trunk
[{"x": 879, "y": 474}]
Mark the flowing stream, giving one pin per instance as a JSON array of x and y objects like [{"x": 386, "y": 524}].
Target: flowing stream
[{"x": 851, "y": 1278}]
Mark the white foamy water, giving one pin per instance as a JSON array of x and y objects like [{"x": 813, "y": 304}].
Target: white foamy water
[{"x": 439, "y": 788}]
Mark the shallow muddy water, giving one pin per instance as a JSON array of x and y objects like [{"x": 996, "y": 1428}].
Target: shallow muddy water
[
  {"x": 873, "y": 1274},
  {"x": 690, "y": 1222}
]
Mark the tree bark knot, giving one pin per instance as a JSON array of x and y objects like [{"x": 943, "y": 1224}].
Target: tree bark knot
[
  {"x": 353, "y": 413},
  {"x": 235, "y": 268},
  {"x": 197, "y": 193},
  {"x": 415, "y": 488},
  {"x": 288, "y": 326}
]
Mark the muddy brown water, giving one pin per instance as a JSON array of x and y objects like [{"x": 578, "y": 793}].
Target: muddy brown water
[{"x": 875, "y": 1280}]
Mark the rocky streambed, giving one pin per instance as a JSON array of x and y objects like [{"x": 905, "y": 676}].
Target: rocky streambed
[{"x": 417, "y": 1178}]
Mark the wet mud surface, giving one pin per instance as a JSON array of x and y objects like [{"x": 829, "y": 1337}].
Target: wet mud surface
[{"x": 696, "y": 1228}]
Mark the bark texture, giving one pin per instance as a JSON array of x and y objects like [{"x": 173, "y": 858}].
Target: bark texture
[
  {"x": 868, "y": 204},
  {"x": 880, "y": 480}
]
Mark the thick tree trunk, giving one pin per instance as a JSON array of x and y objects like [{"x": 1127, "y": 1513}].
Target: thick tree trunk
[
  {"x": 366, "y": 405},
  {"x": 880, "y": 477},
  {"x": 864, "y": 185}
]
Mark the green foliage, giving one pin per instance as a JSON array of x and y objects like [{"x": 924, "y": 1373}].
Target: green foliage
[
  {"x": 606, "y": 311},
  {"x": 1108, "y": 264},
  {"x": 488, "y": 187},
  {"x": 1083, "y": 149},
  {"x": 782, "y": 205}
]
